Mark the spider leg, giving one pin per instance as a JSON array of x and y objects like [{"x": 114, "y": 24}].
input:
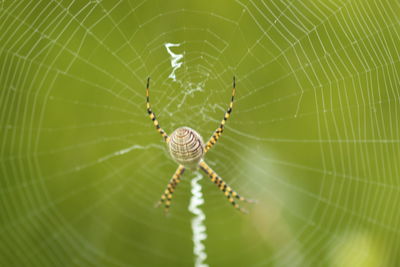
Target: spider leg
[
  {"x": 224, "y": 187},
  {"x": 167, "y": 196},
  {"x": 217, "y": 134},
  {"x": 152, "y": 115}
]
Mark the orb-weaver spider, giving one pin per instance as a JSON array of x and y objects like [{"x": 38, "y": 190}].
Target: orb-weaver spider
[{"x": 187, "y": 148}]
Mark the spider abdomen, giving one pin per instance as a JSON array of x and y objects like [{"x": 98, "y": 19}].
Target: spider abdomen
[{"x": 186, "y": 147}]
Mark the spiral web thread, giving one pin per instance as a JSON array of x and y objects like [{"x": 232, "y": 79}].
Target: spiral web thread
[{"x": 198, "y": 226}]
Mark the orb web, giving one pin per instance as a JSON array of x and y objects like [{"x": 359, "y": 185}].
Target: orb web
[{"x": 314, "y": 134}]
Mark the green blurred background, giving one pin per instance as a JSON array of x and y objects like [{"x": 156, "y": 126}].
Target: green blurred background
[{"x": 314, "y": 135}]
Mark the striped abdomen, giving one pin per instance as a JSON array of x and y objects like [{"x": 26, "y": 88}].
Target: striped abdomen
[{"x": 186, "y": 147}]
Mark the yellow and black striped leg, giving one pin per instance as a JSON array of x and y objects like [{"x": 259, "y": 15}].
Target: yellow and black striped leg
[
  {"x": 152, "y": 115},
  {"x": 217, "y": 134},
  {"x": 224, "y": 187},
  {"x": 167, "y": 196}
]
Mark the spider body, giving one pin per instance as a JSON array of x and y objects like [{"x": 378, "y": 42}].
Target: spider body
[{"x": 187, "y": 148}]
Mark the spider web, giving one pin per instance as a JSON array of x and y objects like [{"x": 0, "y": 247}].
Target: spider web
[{"x": 314, "y": 135}]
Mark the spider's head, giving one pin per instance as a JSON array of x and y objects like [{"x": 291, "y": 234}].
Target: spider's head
[{"x": 186, "y": 147}]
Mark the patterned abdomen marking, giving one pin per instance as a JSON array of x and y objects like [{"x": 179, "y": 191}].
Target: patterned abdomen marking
[{"x": 186, "y": 147}]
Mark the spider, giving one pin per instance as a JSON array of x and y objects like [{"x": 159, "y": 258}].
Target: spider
[{"x": 187, "y": 148}]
